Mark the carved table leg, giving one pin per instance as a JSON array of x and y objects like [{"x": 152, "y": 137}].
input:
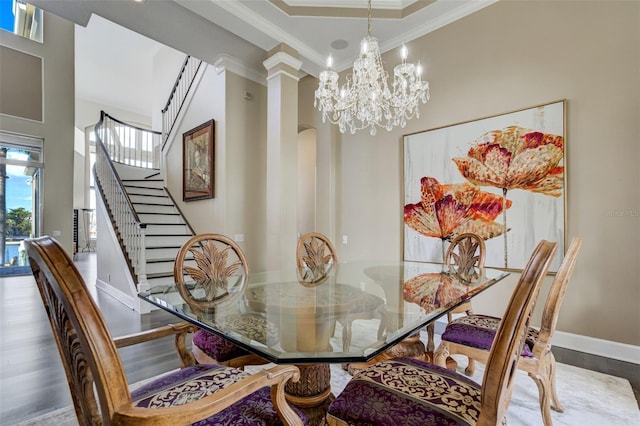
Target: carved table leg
[{"x": 312, "y": 393}]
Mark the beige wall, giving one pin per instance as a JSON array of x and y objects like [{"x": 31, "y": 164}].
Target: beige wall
[
  {"x": 203, "y": 215},
  {"x": 57, "y": 128},
  {"x": 238, "y": 207},
  {"x": 509, "y": 56},
  {"x": 246, "y": 145}
]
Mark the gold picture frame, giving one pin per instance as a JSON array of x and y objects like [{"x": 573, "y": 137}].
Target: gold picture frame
[
  {"x": 198, "y": 162},
  {"x": 506, "y": 171}
]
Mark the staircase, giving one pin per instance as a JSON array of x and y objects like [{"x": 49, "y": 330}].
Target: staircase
[
  {"x": 147, "y": 228},
  {"x": 166, "y": 228}
]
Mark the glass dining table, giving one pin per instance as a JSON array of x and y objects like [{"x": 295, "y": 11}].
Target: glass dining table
[{"x": 350, "y": 313}]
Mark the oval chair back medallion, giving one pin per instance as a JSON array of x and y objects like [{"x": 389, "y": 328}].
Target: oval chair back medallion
[
  {"x": 210, "y": 270},
  {"x": 465, "y": 257},
  {"x": 315, "y": 258}
]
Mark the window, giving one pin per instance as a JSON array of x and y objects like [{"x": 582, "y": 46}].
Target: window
[
  {"x": 22, "y": 18},
  {"x": 21, "y": 163}
]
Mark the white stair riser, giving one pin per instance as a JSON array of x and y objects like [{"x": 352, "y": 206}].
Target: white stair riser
[
  {"x": 161, "y": 253},
  {"x": 161, "y": 281},
  {"x": 165, "y": 240},
  {"x": 146, "y": 199},
  {"x": 145, "y": 191},
  {"x": 166, "y": 267},
  {"x": 159, "y": 267},
  {"x": 143, "y": 208},
  {"x": 167, "y": 229},
  {"x": 150, "y": 219}
]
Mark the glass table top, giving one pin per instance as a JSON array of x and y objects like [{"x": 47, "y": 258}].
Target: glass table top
[{"x": 360, "y": 310}]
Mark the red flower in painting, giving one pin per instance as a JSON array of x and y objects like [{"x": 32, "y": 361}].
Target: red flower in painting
[
  {"x": 433, "y": 290},
  {"x": 515, "y": 158},
  {"x": 447, "y": 210}
]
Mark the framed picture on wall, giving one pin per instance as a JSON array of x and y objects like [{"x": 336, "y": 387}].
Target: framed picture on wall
[
  {"x": 502, "y": 177},
  {"x": 198, "y": 162}
]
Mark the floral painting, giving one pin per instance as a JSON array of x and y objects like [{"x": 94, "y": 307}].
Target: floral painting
[{"x": 501, "y": 177}]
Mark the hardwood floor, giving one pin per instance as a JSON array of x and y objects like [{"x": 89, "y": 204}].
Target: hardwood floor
[{"x": 32, "y": 380}]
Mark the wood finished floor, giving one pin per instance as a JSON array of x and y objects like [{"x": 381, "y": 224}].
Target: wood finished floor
[{"x": 32, "y": 380}]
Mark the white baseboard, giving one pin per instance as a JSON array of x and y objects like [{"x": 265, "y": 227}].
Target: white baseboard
[
  {"x": 121, "y": 297},
  {"x": 600, "y": 347},
  {"x": 590, "y": 345}
]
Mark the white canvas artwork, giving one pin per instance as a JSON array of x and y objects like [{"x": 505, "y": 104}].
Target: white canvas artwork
[{"x": 456, "y": 178}]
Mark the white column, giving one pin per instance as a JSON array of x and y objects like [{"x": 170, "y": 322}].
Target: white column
[{"x": 282, "y": 156}]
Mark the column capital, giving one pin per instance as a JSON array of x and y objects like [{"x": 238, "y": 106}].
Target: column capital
[{"x": 282, "y": 62}]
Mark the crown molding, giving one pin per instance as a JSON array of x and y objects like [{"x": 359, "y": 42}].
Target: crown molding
[{"x": 228, "y": 63}]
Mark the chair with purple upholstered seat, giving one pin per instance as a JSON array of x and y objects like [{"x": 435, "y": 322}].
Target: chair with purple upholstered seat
[
  {"x": 315, "y": 257},
  {"x": 406, "y": 391},
  {"x": 196, "y": 394},
  {"x": 464, "y": 259},
  {"x": 216, "y": 263},
  {"x": 473, "y": 335}
]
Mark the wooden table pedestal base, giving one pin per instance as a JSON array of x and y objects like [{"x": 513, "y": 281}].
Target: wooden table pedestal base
[{"x": 312, "y": 393}]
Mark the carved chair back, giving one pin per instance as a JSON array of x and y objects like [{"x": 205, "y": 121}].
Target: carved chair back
[
  {"x": 315, "y": 256},
  {"x": 465, "y": 257},
  {"x": 209, "y": 270},
  {"x": 554, "y": 299},
  {"x": 90, "y": 358},
  {"x": 502, "y": 364}
]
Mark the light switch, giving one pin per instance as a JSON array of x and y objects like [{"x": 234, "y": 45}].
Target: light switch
[{"x": 345, "y": 239}]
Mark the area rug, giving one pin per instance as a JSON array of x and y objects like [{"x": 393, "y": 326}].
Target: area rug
[{"x": 589, "y": 398}]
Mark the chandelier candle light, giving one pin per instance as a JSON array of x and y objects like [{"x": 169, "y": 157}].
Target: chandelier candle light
[{"x": 365, "y": 99}]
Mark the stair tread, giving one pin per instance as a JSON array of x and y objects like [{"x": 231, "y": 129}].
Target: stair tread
[
  {"x": 160, "y": 275},
  {"x": 137, "y": 203},
  {"x": 168, "y": 235},
  {"x": 161, "y": 214}
]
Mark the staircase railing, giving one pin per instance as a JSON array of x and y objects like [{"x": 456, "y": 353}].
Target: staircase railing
[
  {"x": 178, "y": 95},
  {"x": 129, "y": 144},
  {"x": 113, "y": 144}
]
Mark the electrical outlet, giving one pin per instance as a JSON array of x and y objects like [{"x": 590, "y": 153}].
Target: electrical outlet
[
  {"x": 55, "y": 233},
  {"x": 345, "y": 239},
  {"x": 238, "y": 238}
]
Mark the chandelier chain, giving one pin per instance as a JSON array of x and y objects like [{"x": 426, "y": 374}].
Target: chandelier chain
[{"x": 369, "y": 19}]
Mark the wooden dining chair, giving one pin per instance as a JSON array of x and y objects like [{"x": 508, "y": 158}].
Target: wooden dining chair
[
  {"x": 474, "y": 334},
  {"x": 206, "y": 394},
  {"x": 405, "y": 391},
  {"x": 314, "y": 253},
  {"x": 464, "y": 259},
  {"x": 217, "y": 267},
  {"x": 315, "y": 256}
]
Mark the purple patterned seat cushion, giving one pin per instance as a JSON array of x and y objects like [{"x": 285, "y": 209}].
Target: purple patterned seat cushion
[
  {"x": 405, "y": 391},
  {"x": 222, "y": 350},
  {"x": 196, "y": 382},
  {"x": 478, "y": 331},
  {"x": 217, "y": 347}
]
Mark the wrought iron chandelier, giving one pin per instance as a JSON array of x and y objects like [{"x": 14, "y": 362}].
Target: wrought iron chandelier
[{"x": 365, "y": 99}]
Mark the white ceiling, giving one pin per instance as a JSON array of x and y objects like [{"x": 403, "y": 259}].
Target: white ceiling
[
  {"x": 244, "y": 29},
  {"x": 311, "y": 26},
  {"x": 113, "y": 66}
]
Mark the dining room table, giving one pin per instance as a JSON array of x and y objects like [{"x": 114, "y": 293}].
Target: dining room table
[{"x": 304, "y": 315}]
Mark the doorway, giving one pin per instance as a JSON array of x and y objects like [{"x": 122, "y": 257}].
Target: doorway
[{"x": 21, "y": 166}]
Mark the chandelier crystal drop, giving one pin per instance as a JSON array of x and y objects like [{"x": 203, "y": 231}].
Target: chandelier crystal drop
[{"x": 365, "y": 100}]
